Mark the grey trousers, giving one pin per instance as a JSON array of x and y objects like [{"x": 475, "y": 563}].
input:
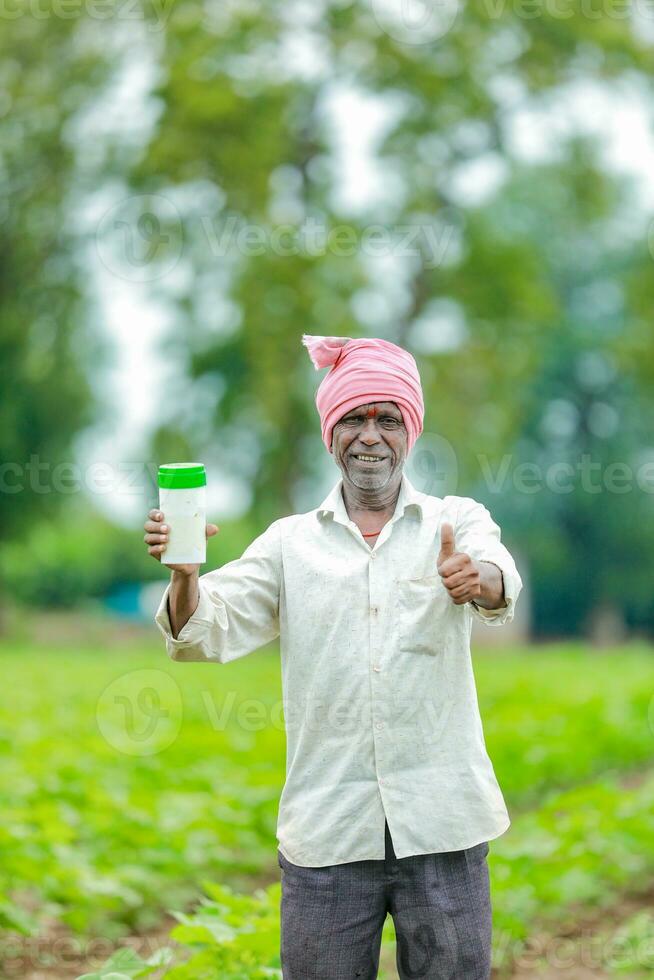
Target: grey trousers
[{"x": 332, "y": 917}]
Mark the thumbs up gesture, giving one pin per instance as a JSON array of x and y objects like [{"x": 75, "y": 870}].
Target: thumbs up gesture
[{"x": 459, "y": 572}]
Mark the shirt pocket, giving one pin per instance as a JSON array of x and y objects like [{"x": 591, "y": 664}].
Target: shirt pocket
[{"x": 423, "y": 607}]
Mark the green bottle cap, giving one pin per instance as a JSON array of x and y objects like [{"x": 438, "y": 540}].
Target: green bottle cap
[{"x": 182, "y": 476}]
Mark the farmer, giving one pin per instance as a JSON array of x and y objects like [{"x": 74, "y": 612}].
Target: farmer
[{"x": 390, "y": 798}]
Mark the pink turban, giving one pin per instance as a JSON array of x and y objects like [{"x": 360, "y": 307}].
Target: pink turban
[{"x": 362, "y": 371}]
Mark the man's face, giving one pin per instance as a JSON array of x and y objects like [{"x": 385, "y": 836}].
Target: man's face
[{"x": 374, "y": 429}]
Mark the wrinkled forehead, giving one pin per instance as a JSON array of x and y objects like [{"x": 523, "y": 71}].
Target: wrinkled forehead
[{"x": 371, "y": 409}]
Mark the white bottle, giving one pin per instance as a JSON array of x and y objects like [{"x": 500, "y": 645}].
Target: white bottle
[{"x": 182, "y": 501}]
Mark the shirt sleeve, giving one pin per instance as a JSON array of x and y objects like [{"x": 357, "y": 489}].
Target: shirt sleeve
[
  {"x": 238, "y": 609},
  {"x": 477, "y": 534}
]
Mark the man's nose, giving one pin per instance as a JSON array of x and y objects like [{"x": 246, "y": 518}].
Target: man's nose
[{"x": 369, "y": 432}]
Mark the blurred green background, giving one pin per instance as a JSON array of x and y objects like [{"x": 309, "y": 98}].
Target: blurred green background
[{"x": 189, "y": 187}]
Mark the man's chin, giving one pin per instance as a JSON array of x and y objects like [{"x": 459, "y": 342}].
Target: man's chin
[{"x": 369, "y": 481}]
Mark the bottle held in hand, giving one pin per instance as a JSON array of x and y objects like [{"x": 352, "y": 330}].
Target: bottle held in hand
[{"x": 182, "y": 500}]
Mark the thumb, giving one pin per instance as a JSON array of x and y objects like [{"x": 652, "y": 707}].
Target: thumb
[
  {"x": 447, "y": 543},
  {"x": 212, "y": 529}
]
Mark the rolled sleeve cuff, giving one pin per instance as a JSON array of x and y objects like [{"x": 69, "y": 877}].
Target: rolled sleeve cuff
[
  {"x": 504, "y": 614},
  {"x": 195, "y": 630}
]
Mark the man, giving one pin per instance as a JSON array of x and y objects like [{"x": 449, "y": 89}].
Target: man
[{"x": 390, "y": 798}]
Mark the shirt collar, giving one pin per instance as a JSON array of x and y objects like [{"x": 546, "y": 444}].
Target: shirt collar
[{"x": 408, "y": 497}]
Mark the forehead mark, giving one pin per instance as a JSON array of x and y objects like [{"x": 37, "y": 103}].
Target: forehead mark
[{"x": 373, "y": 409}]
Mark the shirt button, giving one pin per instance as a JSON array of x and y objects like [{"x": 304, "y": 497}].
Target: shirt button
[
  {"x": 374, "y": 610},
  {"x": 379, "y": 724},
  {"x": 373, "y": 554},
  {"x": 376, "y": 667}
]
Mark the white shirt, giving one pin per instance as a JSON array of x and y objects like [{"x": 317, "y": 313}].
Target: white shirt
[{"x": 379, "y": 695}]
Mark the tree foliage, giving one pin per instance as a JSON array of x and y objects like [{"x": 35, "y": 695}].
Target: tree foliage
[{"x": 50, "y": 69}]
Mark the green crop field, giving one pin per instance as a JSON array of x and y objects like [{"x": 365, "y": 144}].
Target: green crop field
[{"x": 124, "y": 812}]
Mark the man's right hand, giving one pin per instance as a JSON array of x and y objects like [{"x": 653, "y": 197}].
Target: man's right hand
[{"x": 156, "y": 537}]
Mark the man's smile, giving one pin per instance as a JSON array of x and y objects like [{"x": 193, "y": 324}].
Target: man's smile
[{"x": 368, "y": 460}]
